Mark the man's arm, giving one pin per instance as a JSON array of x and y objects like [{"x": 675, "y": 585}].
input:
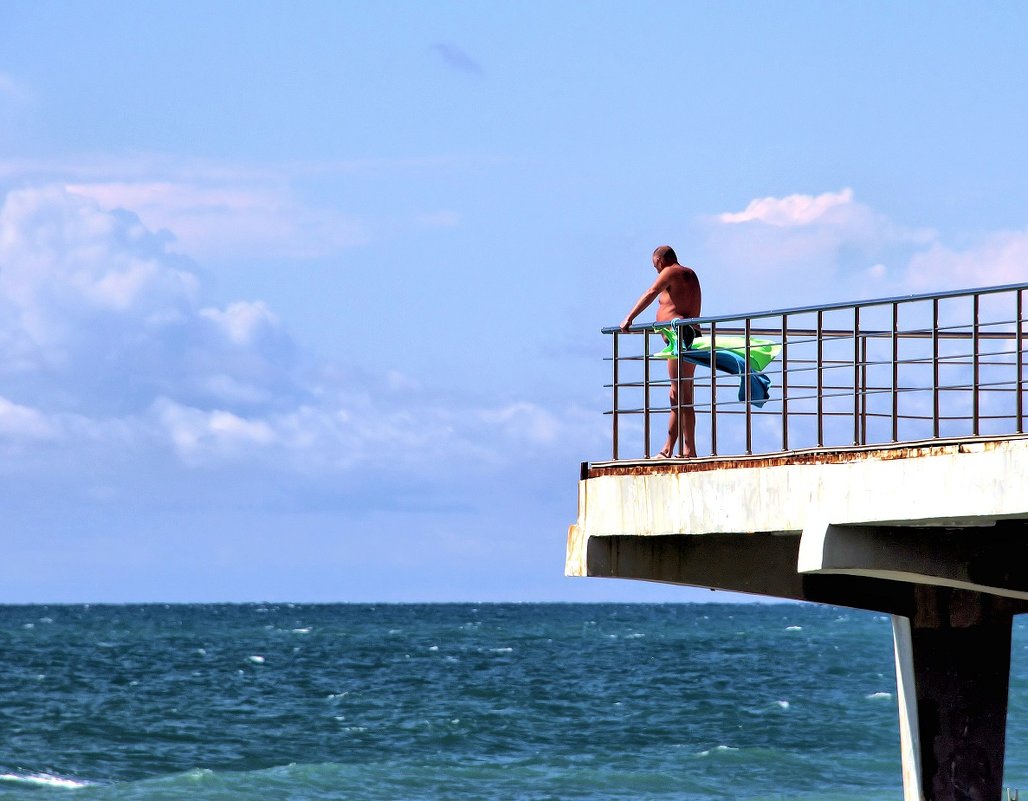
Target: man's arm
[{"x": 647, "y": 298}]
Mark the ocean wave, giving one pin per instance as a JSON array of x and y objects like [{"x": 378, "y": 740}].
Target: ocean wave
[
  {"x": 45, "y": 780},
  {"x": 721, "y": 749}
]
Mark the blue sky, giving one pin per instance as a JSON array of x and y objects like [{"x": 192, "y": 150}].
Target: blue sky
[{"x": 302, "y": 301}]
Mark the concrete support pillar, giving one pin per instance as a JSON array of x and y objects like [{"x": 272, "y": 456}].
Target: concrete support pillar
[{"x": 953, "y": 668}]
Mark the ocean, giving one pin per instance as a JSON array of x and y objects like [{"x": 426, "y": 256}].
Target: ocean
[{"x": 456, "y": 701}]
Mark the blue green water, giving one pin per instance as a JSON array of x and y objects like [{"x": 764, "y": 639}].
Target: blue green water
[{"x": 454, "y": 701}]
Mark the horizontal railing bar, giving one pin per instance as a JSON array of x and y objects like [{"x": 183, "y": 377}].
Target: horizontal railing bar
[{"x": 840, "y": 306}]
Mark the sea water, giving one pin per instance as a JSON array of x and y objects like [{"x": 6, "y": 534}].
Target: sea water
[{"x": 456, "y": 701}]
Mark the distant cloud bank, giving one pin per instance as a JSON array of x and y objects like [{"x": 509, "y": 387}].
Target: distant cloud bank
[{"x": 106, "y": 336}]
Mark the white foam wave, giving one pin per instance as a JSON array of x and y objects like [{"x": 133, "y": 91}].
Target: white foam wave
[
  {"x": 879, "y": 695},
  {"x": 44, "y": 780},
  {"x": 783, "y": 704},
  {"x": 305, "y": 630},
  {"x": 257, "y": 660},
  {"x": 719, "y": 749},
  {"x": 794, "y": 628},
  {"x": 501, "y": 650}
]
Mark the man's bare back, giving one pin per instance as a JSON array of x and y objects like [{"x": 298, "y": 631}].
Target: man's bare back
[{"x": 681, "y": 295}]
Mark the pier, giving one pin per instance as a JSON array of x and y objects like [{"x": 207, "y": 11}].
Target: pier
[{"x": 887, "y": 470}]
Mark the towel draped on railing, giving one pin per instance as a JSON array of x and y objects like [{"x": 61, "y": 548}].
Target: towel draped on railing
[{"x": 729, "y": 357}]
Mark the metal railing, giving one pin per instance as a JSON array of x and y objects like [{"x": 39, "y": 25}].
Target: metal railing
[{"x": 948, "y": 365}]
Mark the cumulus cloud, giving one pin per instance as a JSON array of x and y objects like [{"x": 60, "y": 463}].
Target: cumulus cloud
[
  {"x": 827, "y": 246},
  {"x": 792, "y": 210},
  {"x": 106, "y": 337},
  {"x": 818, "y": 223}
]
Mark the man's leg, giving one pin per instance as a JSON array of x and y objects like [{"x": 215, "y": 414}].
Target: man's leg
[
  {"x": 687, "y": 370},
  {"x": 681, "y": 377}
]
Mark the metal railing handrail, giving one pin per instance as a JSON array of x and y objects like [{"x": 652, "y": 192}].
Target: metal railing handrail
[
  {"x": 859, "y": 304},
  {"x": 868, "y": 366}
]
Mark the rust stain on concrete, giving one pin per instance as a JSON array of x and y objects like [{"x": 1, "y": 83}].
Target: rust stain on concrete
[{"x": 813, "y": 456}]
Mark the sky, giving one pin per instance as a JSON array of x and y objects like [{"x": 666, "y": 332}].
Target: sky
[{"x": 302, "y": 301}]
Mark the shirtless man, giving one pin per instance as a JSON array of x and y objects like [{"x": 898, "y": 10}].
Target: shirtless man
[{"x": 678, "y": 289}]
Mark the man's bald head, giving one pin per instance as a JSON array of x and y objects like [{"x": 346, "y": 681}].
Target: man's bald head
[{"x": 665, "y": 255}]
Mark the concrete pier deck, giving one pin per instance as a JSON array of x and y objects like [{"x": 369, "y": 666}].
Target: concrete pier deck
[
  {"x": 933, "y": 533},
  {"x": 938, "y": 513}
]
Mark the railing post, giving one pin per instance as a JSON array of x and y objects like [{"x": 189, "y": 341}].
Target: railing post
[
  {"x": 746, "y": 381},
  {"x": 1020, "y": 362},
  {"x": 646, "y": 393},
  {"x": 785, "y": 382},
  {"x": 936, "y": 406},
  {"x": 975, "y": 401},
  {"x": 863, "y": 390},
  {"x": 895, "y": 371},
  {"x": 713, "y": 389},
  {"x": 856, "y": 375},
  {"x": 820, "y": 380},
  {"x": 614, "y": 408}
]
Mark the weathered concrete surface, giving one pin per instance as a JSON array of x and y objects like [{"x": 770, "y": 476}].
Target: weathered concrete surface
[{"x": 960, "y": 486}]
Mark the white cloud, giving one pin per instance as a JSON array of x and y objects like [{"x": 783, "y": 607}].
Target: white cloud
[
  {"x": 816, "y": 248},
  {"x": 22, "y": 423},
  {"x": 199, "y": 435},
  {"x": 1001, "y": 258},
  {"x": 95, "y": 304},
  {"x": 792, "y": 210},
  {"x": 243, "y": 322},
  {"x": 105, "y": 341},
  {"x": 817, "y": 223}
]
